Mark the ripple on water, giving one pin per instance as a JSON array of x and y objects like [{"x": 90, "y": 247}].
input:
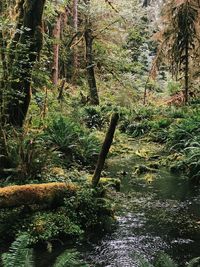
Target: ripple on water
[{"x": 122, "y": 247}]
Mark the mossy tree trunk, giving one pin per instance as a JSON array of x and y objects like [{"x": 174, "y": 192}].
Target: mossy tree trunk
[
  {"x": 23, "y": 53},
  {"x": 89, "y": 38},
  {"x": 105, "y": 149},
  {"x": 94, "y": 98},
  {"x": 56, "y": 47}
]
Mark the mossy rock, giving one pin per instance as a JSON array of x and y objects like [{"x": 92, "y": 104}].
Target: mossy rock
[
  {"x": 108, "y": 182},
  {"x": 154, "y": 165},
  {"x": 141, "y": 169}
]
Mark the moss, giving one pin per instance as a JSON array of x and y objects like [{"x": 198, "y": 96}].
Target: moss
[
  {"x": 108, "y": 181},
  {"x": 140, "y": 169},
  {"x": 12, "y": 196}
]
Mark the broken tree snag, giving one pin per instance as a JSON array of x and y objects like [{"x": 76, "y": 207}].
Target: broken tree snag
[
  {"x": 17, "y": 195},
  {"x": 105, "y": 149}
]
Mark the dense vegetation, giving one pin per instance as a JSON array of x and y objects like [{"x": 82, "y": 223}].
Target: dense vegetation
[{"x": 65, "y": 68}]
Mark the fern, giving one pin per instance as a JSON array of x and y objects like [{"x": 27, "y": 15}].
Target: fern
[
  {"x": 19, "y": 254},
  {"x": 163, "y": 260},
  {"x": 69, "y": 258},
  {"x": 194, "y": 262}
]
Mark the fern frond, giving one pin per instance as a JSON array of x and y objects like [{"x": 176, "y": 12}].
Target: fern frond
[
  {"x": 19, "y": 254},
  {"x": 194, "y": 262},
  {"x": 164, "y": 260},
  {"x": 69, "y": 258}
]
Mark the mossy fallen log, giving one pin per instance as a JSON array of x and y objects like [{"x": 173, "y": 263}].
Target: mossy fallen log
[{"x": 49, "y": 193}]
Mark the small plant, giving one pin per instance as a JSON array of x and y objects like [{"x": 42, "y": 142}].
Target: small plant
[
  {"x": 19, "y": 254},
  {"x": 162, "y": 260},
  {"x": 69, "y": 258},
  {"x": 181, "y": 133},
  {"x": 192, "y": 158},
  {"x": 92, "y": 117},
  {"x": 26, "y": 154},
  {"x": 77, "y": 144}
]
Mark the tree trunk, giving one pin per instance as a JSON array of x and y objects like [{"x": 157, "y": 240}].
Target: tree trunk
[
  {"x": 94, "y": 98},
  {"x": 105, "y": 149},
  {"x": 186, "y": 73},
  {"x": 56, "y": 47},
  {"x": 24, "y": 50},
  {"x": 75, "y": 22}
]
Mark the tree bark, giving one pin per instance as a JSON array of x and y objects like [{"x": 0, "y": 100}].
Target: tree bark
[
  {"x": 18, "y": 195},
  {"x": 75, "y": 22},
  {"x": 94, "y": 98},
  {"x": 24, "y": 50},
  {"x": 56, "y": 47},
  {"x": 186, "y": 73},
  {"x": 105, "y": 149}
]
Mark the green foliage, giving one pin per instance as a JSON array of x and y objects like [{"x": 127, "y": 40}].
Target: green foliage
[
  {"x": 138, "y": 128},
  {"x": 182, "y": 132},
  {"x": 69, "y": 258},
  {"x": 192, "y": 158},
  {"x": 90, "y": 210},
  {"x": 76, "y": 143},
  {"x": 173, "y": 87},
  {"x": 26, "y": 153},
  {"x": 194, "y": 262},
  {"x": 45, "y": 226},
  {"x": 19, "y": 254},
  {"x": 163, "y": 260},
  {"x": 92, "y": 117}
]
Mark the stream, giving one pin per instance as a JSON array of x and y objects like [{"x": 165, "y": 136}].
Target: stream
[{"x": 155, "y": 212}]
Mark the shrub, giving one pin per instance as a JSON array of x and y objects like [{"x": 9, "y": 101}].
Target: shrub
[
  {"x": 26, "y": 154},
  {"x": 181, "y": 133},
  {"x": 138, "y": 128},
  {"x": 19, "y": 254},
  {"x": 77, "y": 144},
  {"x": 192, "y": 158},
  {"x": 92, "y": 117}
]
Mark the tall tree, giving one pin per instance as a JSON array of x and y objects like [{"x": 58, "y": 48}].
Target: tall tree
[
  {"x": 89, "y": 38},
  {"x": 180, "y": 37},
  {"x": 56, "y": 46},
  {"x": 75, "y": 24},
  {"x": 24, "y": 49}
]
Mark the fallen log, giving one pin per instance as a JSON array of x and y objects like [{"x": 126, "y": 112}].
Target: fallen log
[{"x": 49, "y": 193}]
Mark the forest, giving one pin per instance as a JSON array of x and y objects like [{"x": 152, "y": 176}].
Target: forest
[{"x": 100, "y": 133}]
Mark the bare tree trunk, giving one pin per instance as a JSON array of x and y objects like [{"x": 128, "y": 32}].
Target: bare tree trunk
[
  {"x": 24, "y": 50},
  {"x": 186, "y": 73},
  {"x": 56, "y": 47},
  {"x": 105, "y": 149},
  {"x": 94, "y": 98},
  {"x": 75, "y": 22}
]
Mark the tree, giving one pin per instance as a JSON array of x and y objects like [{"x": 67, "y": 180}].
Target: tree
[
  {"x": 56, "y": 46},
  {"x": 24, "y": 49},
  {"x": 180, "y": 38},
  {"x": 89, "y": 38}
]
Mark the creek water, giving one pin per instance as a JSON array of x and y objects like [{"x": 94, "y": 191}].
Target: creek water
[{"x": 155, "y": 212}]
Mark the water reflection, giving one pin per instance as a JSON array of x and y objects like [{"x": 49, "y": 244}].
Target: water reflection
[{"x": 150, "y": 220}]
